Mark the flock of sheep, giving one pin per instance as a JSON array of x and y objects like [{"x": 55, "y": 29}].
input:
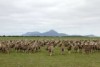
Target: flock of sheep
[{"x": 32, "y": 46}]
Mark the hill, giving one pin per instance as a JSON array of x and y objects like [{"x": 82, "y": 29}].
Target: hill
[{"x": 48, "y": 33}]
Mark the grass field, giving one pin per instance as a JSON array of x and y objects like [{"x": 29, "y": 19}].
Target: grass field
[
  {"x": 50, "y": 38},
  {"x": 42, "y": 59}
]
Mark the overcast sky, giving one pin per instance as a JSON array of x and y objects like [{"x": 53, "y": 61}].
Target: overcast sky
[{"x": 66, "y": 16}]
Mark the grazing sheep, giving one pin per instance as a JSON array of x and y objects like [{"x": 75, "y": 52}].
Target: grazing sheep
[{"x": 30, "y": 46}]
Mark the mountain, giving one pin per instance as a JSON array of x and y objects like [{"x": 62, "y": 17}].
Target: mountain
[
  {"x": 32, "y": 34},
  {"x": 48, "y": 33},
  {"x": 52, "y": 33},
  {"x": 90, "y": 35}
]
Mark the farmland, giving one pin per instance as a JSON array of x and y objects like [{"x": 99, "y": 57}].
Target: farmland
[{"x": 42, "y": 58}]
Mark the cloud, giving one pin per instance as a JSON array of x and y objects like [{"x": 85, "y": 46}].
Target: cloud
[{"x": 68, "y": 16}]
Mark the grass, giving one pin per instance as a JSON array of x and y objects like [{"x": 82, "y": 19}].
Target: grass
[
  {"x": 42, "y": 59},
  {"x": 49, "y": 38}
]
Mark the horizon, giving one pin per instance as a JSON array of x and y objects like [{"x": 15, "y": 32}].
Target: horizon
[
  {"x": 72, "y": 17},
  {"x": 50, "y": 31}
]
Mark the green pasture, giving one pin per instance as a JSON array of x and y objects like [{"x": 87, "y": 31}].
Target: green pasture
[
  {"x": 49, "y": 38},
  {"x": 42, "y": 58}
]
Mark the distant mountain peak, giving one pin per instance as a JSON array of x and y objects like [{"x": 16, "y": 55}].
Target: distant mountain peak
[
  {"x": 48, "y": 33},
  {"x": 51, "y": 31}
]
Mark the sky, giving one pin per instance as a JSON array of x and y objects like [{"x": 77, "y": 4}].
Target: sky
[{"x": 79, "y": 17}]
